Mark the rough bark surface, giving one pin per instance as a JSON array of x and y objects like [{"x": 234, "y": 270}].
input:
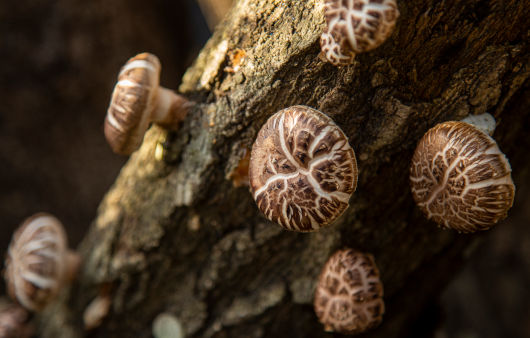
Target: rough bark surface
[{"x": 176, "y": 235}]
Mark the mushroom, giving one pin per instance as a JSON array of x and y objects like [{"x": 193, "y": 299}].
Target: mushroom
[
  {"x": 38, "y": 262},
  {"x": 356, "y": 26},
  {"x": 167, "y": 325},
  {"x": 349, "y": 294},
  {"x": 14, "y": 322},
  {"x": 302, "y": 169},
  {"x": 485, "y": 122},
  {"x": 96, "y": 311},
  {"x": 137, "y": 100},
  {"x": 460, "y": 178}
]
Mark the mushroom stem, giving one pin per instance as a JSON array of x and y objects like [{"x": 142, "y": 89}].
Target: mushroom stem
[
  {"x": 72, "y": 266},
  {"x": 170, "y": 108},
  {"x": 96, "y": 311},
  {"x": 485, "y": 122}
]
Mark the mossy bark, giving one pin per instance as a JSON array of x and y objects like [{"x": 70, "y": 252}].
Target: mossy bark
[{"x": 174, "y": 234}]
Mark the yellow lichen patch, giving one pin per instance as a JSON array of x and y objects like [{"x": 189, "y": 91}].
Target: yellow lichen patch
[{"x": 236, "y": 59}]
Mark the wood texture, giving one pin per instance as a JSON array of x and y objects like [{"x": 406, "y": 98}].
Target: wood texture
[{"x": 175, "y": 235}]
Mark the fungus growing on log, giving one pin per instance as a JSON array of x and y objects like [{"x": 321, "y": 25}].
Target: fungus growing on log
[
  {"x": 302, "y": 169},
  {"x": 138, "y": 100},
  {"x": 356, "y": 26},
  {"x": 460, "y": 178},
  {"x": 349, "y": 295},
  {"x": 38, "y": 262}
]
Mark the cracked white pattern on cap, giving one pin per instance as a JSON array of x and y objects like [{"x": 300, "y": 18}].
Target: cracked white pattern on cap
[
  {"x": 356, "y": 26},
  {"x": 302, "y": 169},
  {"x": 132, "y": 102},
  {"x": 460, "y": 178},
  {"x": 36, "y": 261},
  {"x": 349, "y": 295}
]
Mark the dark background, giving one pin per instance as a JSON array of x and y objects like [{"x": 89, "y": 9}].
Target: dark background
[{"x": 58, "y": 64}]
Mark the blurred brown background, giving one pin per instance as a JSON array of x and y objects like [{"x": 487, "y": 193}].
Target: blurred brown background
[{"x": 59, "y": 63}]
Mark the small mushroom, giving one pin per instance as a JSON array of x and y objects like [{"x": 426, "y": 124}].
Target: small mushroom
[
  {"x": 460, "y": 178},
  {"x": 302, "y": 169},
  {"x": 96, "y": 311},
  {"x": 349, "y": 295},
  {"x": 138, "y": 100},
  {"x": 14, "y": 322},
  {"x": 167, "y": 325},
  {"x": 38, "y": 262},
  {"x": 356, "y": 26},
  {"x": 485, "y": 122}
]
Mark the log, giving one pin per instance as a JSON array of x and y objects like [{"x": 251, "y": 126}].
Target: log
[{"x": 174, "y": 233}]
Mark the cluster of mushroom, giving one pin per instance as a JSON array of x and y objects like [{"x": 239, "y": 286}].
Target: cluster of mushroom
[
  {"x": 38, "y": 264},
  {"x": 353, "y": 26},
  {"x": 302, "y": 170}
]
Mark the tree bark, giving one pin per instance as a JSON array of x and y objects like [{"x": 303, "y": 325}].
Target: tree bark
[{"x": 176, "y": 235}]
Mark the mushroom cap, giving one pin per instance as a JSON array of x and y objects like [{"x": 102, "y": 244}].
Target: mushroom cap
[
  {"x": 302, "y": 169},
  {"x": 349, "y": 294},
  {"x": 460, "y": 178},
  {"x": 14, "y": 322},
  {"x": 36, "y": 261},
  {"x": 132, "y": 103},
  {"x": 356, "y": 26},
  {"x": 336, "y": 49}
]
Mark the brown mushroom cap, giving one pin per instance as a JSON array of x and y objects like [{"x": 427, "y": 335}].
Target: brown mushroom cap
[
  {"x": 302, "y": 169},
  {"x": 349, "y": 295},
  {"x": 460, "y": 178},
  {"x": 132, "y": 103},
  {"x": 356, "y": 26},
  {"x": 14, "y": 322},
  {"x": 336, "y": 49},
  {"x": 36, "y": 261}
]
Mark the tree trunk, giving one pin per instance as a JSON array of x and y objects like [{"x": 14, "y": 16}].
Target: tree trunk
[{"x": 174, "y": 234}]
